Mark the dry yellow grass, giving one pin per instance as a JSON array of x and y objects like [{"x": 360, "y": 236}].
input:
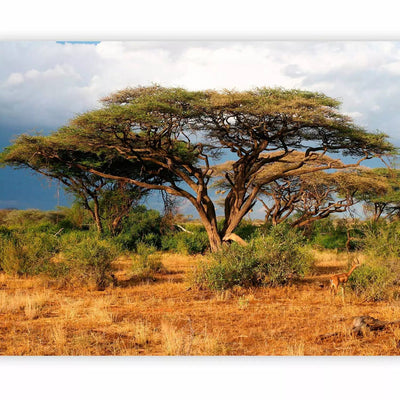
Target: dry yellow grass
[{"x": 164, "y": 318}]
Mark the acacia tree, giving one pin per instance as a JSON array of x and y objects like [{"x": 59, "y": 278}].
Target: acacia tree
[
  {"x": 382, "y": 195},
  {"x": 310, "y": 197},
  {"x": 305, "y": 198},
  {"x": 103, "y": 198},
  {"x": 178, "y": 134}
]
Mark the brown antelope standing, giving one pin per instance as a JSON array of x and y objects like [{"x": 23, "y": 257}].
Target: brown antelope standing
[{"x": 339, "y": 279}]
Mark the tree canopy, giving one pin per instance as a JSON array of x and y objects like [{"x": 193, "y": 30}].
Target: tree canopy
[
  {"x": 93, "y": 192},
  {"x": 169, "y": 139},
  {"x": 381, "y": 195}
]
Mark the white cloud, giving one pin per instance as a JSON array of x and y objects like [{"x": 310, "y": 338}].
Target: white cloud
[
  {"x": 14, "y": 79},
  {"x": 43, "y": 84}
]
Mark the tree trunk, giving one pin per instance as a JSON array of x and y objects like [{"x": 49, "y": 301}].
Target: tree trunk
[
  {"x": 214, "y": 239},
  {"x": 209, "y": 221},
  {"x": 116, "y": 225},
  {"x": 96, "y": 215}
]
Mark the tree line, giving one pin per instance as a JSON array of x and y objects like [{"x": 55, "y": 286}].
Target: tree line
[{"x": 284, "y": 148}]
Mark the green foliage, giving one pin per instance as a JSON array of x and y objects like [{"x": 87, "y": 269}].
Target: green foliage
[
  {"x": 147, "y": 262},
  {"x": 141, "y": 225},
  {"x": 187, "y": 243},
  {"x": 89, "y": 260},
  {"x": 329, "y": 234},
  {"x": 268, "y": 260},
  {"x": 28, "y": 253},
  {"x": 372, "y": 282},
  {"x": 5, "y": 232},
  {"x": 382, "y": 240},
  {"x": 379, "y": 278},
  {"x": 76, "y": 217},
  {"x": 246, "y": 230}
]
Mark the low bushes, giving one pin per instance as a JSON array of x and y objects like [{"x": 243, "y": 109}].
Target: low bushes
[
  {"x": 378, "y": 279},
  {"x": 27, "y": 253},
  {"x": 147, "y": 262},
  {"x": 372, "y": 282},
  {"x": 186, "y": 243},
  {"x": 89, "y": 261},
  {"x": 76, "y": 257},
  {"x": 140, "y": 226},
  {"x": 382, "y": 240},
  {"x": 268, "y": 260}
]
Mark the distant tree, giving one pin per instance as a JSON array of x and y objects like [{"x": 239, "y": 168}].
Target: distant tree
[
  {"x": 310, "y": 197},
  {"x": 103, "y": 198},
  {"x": 176, "y": 135},
  {"x": 305, "y": 196},
  {"x": 382, "y": 195}
]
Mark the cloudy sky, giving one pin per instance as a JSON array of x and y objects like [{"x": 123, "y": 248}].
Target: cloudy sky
[{"x": 44, "y": 84}]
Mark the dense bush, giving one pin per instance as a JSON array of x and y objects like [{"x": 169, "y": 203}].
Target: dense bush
[
  {"x": 247, "y": 230},
  {"x": 328, "y": 234},
  {"x": 141, "y": 226},
  {"x": 374, "y": 282},
  {"x": 382, "y": 240},
  {"x": 268, "y": 260},
  {"x": 378, "y": 279},
  {"x": 89, "y": 261},
  {"x": 186, "y": 243},
  {"x": 27, "y": 253}
]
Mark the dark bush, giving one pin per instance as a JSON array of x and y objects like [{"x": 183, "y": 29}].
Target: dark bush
[
  {"x": 142, "y": 225},
  {"x": 247, "y": 230}
]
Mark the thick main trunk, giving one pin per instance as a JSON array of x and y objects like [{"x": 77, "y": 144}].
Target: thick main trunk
[
  {"x": 209, "y": 220},
  {"x": 215, "y": 241},
  {"x": 212, "y": 231}
]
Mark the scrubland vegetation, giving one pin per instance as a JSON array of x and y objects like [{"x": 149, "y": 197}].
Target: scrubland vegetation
[
  {"x": 78, "y": 293},
  {"x": 110, "y": 276}
]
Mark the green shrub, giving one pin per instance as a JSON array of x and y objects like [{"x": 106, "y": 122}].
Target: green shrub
[
  {"x": 329, "y": 234},
  {"x": 186, "y": 243},
  {"x": 27, "y": 253},
  {"x": 146, "y": 262},
  {"x": 89, "y": 261},
  {"x": 372, "y": 282},
  {"x": 70, "y": 238},
  {"x": 141, "y": 225},
  {"x": 382, "y": 240},
  {"x": 5, "y": 232},
  {"x": 247, "y": 230},
  {"x": 267, "y": 261}
]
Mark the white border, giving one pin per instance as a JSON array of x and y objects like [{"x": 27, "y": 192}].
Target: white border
[
  {"x": 193, "y": 377},
  {"x": 202, "y": 20}
]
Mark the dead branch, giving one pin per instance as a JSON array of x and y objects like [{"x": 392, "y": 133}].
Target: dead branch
[
  {"x": 235, "y": 238},
  {"x": 184, "y": 230}
]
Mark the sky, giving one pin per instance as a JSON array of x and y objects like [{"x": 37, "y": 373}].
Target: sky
[{"x": 43, "y": 84}]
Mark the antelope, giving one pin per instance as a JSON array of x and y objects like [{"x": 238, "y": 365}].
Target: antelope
[{"x": 336, "y": 280}]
